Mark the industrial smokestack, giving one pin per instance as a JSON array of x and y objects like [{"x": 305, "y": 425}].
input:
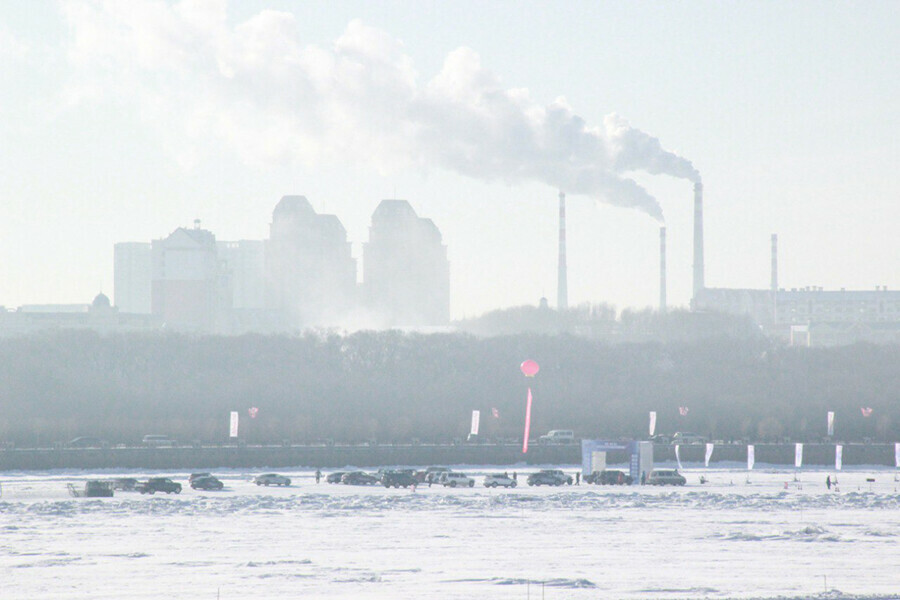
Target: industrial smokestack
[
  {"x": 698, "y": 238},
  {"x": 562, "y": 286},
  {"x": 774, "y": 282},
  {"x": 662, "y": 270}
]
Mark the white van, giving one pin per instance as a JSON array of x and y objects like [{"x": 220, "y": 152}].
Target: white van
[
  {"x": 158, "y": 441},
  {"x": 558, "y": 436}
]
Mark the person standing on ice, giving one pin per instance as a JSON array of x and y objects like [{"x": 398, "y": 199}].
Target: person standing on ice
[
  {"x": 828, "y": 482},
  {"x": 578, "y": 478},
  {"x": 318, "y": 475}
]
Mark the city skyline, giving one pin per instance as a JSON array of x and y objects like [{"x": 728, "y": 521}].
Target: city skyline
[{"x": 88, "y": 164}]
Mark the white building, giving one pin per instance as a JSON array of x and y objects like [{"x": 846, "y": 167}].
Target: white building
[{"x": 131, "y": 277}]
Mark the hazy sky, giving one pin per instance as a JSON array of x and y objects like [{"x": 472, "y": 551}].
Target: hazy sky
[{"x": 121, "y": 121}]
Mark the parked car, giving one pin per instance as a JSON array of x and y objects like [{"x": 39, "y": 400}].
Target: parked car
[
  {"x": 549, "y": 477},
  {"x": 665, "y": 477},
  {"x": 198, "y": 476},
  {"x": 433, "y": 474},
  {"x": 358, "y": 478},
  {"x": 558, "y": 436},
  {"x": 159, "y": 484},
  {"x": 207, "y": 483},
  {"x": 499, "y": 480},
  {"x": 398, "y": 479},
  {"x": 87, "y": 442},
  {"x": 451, "y": 479},
  {"x": 272, "y": 479},
  {"x": 686, "y": 437},
  {"x": 126, "y": 484},
  {"x": 610, "y": 477},
  {"x": 335, "y": 477}
]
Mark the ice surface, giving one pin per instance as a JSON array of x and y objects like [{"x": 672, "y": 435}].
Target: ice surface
[{"x": 774, "y": 535}]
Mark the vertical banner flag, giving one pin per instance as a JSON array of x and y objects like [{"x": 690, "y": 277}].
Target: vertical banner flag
[
  {"x": 751, "y": 457},
  {"x": 677, "y": 457},
  {"x": 897, "y": 455},
  {"x": 652, "y": 421},
  {"x": 798, "y": 455},
  {"x": 709, "y": 451},
  {"x": 838, "y": 457},
  {"x": 830, "y": 423},
  {"x": 529, "y": 368},
  {"x": 234, "y": 424},
  {"x": 476, "y": 417}
]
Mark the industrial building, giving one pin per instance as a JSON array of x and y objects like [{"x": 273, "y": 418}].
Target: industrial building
[
  {"x": 808, "y": 316},
  {"x": 406, "y": 274}
]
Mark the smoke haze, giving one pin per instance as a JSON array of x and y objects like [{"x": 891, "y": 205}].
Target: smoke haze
[{"x": 272, "y": 98}]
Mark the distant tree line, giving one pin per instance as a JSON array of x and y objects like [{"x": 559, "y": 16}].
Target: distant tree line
[{"x": 390, "y": 386}]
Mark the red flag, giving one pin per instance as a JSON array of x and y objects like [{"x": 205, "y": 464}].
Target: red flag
[
  {"x": 495, "y": 413},
  {"x": 866, "y": 412},
  {"x": 683, "y": 411}
]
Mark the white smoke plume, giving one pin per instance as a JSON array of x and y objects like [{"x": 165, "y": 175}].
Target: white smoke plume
[{"x": 269, "y": 96}]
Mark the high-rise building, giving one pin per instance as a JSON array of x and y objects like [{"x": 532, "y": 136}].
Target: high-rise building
[
  {"x": 310, "y": 272},
  {"x": 245, "y": 261},
  {"x": 406, "y": 274},
  {"x": 131, "y": 277},
  {"x": 190, "y": 290}
]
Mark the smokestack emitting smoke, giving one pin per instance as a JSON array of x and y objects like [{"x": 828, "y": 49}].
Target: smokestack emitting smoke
[
  {"x": 698, "y": 238},
  {"x": 662, "y": 270},
  {"x": 260, "y": 89},
  {"x": 562, "y": 281}
]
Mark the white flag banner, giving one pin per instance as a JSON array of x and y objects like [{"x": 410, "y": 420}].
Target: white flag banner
[
  {"x": 234, "y": 424},
  {"x": 830, "y": 423},
  {"x": 709, "y": 451},
  {"x": 677, "y": 457},
  {"x": 751, "y": 457},
  {"x": 897, "y": 455},
  {"x": 798, "y": 455},
  {"x": 476, "y": 418},
  {"x": 652, "y": 422},
  {"x": 838, "y": 457}
]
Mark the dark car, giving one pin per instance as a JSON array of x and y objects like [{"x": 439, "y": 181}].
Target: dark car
[
  {"x": 335, "y": 477},
  {"x": 127, "y": 484},
  {"x": 611, "y": 477},
  {"x": 159, "y": 484},
  {"x": 358, "y": 478},
  {"x": 549, "y": 477},
  {"x": 398, "y": 479},
  {"x": 665, "y": 477},
  {"x": 207, "y": 483}
]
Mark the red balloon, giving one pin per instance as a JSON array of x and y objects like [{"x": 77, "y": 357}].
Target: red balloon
[{"x": 530, "y": 368}]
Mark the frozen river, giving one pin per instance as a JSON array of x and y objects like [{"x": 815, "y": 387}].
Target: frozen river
[{"x": 766, "y": 537}]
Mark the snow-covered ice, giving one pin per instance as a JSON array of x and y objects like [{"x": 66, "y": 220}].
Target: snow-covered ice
[{"x": 728, "y": 538}]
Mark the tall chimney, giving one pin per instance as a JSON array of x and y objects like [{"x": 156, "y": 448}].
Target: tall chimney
[
  {"x": 774, "y": 282},
  {"x": 562, "y": 287},
  {"x": 698, "y": 238},
  {"x": 662, "y": 270}
]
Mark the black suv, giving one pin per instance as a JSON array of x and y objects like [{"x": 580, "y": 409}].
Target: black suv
[
  {"x": 549, "y": 477},
  {"x": 159, "y": 484},
  {"x": 611, "y": 477},
  {"x": 397, "y": 479}
]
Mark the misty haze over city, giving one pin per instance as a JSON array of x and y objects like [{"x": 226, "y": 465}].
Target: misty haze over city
[{"x": 352, "y": 294}]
